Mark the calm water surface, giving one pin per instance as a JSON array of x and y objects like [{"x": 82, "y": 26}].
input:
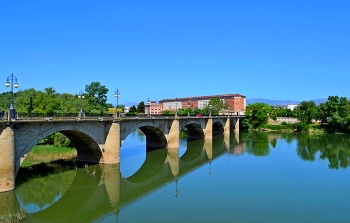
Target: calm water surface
[{"x": 250, "y": 177}]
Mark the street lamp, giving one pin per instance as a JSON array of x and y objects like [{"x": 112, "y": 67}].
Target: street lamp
[
  {"x": 176, "y": 107},
  {"x": 149, "y": 107},
  {"x": 117, "y": 95},
  {"x": 81, "y": 97},
  {"x": 228, "y": 111},
  {"x": 7, "y": 84},
  {"x": 209, "y": 110}
]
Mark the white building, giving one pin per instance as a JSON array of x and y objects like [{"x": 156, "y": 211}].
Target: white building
[{"x": 292, "y": 106}]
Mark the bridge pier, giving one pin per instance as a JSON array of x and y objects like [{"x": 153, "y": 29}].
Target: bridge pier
[
  {"x": 7, "y": 160},
  {"x": 111, "y": 178},
  {"x": 208, "y": 131},
  {"x": 227, "y": 127},
  {"x": 236, "y": 125},
  {"x": 111, "y": 150},
  {"x": 173, "y": 160},
  {"x": 173, "y": 136}
]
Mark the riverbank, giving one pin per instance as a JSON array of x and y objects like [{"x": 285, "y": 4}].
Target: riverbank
[
  {"x": 290, "y": 128},
  {"x": 44, "y": 160},
  {"x": 47, "y": 153}
]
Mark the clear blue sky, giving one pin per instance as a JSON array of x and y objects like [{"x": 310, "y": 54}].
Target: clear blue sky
[{"x": 290, "y": 50}]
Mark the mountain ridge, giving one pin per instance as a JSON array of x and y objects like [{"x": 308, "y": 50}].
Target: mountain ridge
[{"x": 281, "y": 102}]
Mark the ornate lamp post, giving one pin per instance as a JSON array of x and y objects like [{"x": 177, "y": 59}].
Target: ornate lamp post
[
  {"x": 12, "y": 84},
  {"x": 175, "y": 107},
  {"x": 81, "y": 97},
  {"x": 117, "y": 95},
  {"x": 149, "y": 107},
  {"x": 209, "y": 110}
]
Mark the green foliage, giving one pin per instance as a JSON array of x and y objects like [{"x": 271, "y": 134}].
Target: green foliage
[
  {"x": 281, "y": 127},
  {"x": 132, "y": 114},
  {"x": 183, "y": 133},
  {"x": 284, "y": 112},
  {"x": 302, "y": 127},
  {"x": 307, "y": 111},
  {"x": 133, "y": 109},
  {"x": 216, "y": 105},
  {"x": 96, "y": 95},
  {"x": 141, "y": 107},
  {"x": 168, "y": 112},
  {"x": 57, "y": 139},
  {"x": 50, "y": 103},
  {"x": 336, "y": 112},
  {"x": 257, "y": 115}
]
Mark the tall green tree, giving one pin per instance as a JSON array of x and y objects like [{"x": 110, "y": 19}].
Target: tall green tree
[
  {"x": 257, "y": 115},
  {"x": 141, "y": 107},
  {"x": 96, "y": 94},
  {"x": 336, "y": 112},
  {"x": 216, "y": 105},
  {"x": 307, "y": 111}
]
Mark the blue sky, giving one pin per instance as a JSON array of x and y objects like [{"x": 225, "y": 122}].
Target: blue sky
[{"x": 282, "y": 50}]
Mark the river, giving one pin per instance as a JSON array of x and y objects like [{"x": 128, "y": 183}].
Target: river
[{"x": 246, "y": 177}]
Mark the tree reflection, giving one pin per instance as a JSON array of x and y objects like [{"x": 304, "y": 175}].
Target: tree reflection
[
  {"x": 307, "y": 147},
  {"x": 334, "y": 147},
  {"x": 257, "y": 143}
]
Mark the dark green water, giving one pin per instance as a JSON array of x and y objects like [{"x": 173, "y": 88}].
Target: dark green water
[{"x": 251, "y": 177}]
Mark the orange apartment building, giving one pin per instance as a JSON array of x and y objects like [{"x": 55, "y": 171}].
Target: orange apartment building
[{"x": 237, "y": 103}]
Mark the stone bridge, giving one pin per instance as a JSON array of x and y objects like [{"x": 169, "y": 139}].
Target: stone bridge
[
  {"x": 106, "y": 192},
  {"x": 99, "y": 140}
]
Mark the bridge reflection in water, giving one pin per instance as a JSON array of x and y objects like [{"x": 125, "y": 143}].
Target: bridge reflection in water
[{"x": 100, "y": 191}]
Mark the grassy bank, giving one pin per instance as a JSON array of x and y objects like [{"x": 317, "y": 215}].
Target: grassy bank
[
  {"x": 47, "y": 154},
  {"x": 298, "y": 127},
  {"x": 46, "y": 160}
]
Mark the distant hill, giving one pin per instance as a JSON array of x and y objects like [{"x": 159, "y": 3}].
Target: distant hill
[{"x": 281, "y": 102}]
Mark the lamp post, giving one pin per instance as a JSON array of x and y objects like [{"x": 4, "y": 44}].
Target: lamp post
[
  {"x": 15, "y": 84},
  {"x": 228, "y": 111},
  {"x": 81, "y": 97},
  {"x": 176, "y": 107},
  {"x": 149, "y": 107},
  {"x": 176, "y": 191},
  {"x": 209, "y": 110},
  {"x": 117, "y": 95}
]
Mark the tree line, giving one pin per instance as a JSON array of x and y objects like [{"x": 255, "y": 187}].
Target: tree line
[
  {"x": 48, "y": 102},
  {"x": 332, "y": 115}
]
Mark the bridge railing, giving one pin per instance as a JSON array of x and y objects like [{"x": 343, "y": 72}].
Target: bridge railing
[{"x": 74, "y": 117}]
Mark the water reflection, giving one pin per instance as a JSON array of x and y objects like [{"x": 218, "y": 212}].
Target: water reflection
[
  {"x": 95, "y": 192},
  {"x": 332, "y": 147}
]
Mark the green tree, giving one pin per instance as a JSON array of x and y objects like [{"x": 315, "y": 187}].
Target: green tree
[
  {"x": 257, "y": 115},
  {"x": 96, "y": 95},
  {"x": 141, "y": 107},
  {"x": 307, "y": 111},
  {"x": 216, "y": 105}
]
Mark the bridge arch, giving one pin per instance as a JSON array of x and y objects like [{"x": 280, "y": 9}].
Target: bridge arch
[
  {"x": 153, "y": 163},
  {"x": 218, "y": 127},
  {"x": 88, "y": 149},
  {"x": 194, "y": 131},
  {"x": 155, "y": 137}
]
